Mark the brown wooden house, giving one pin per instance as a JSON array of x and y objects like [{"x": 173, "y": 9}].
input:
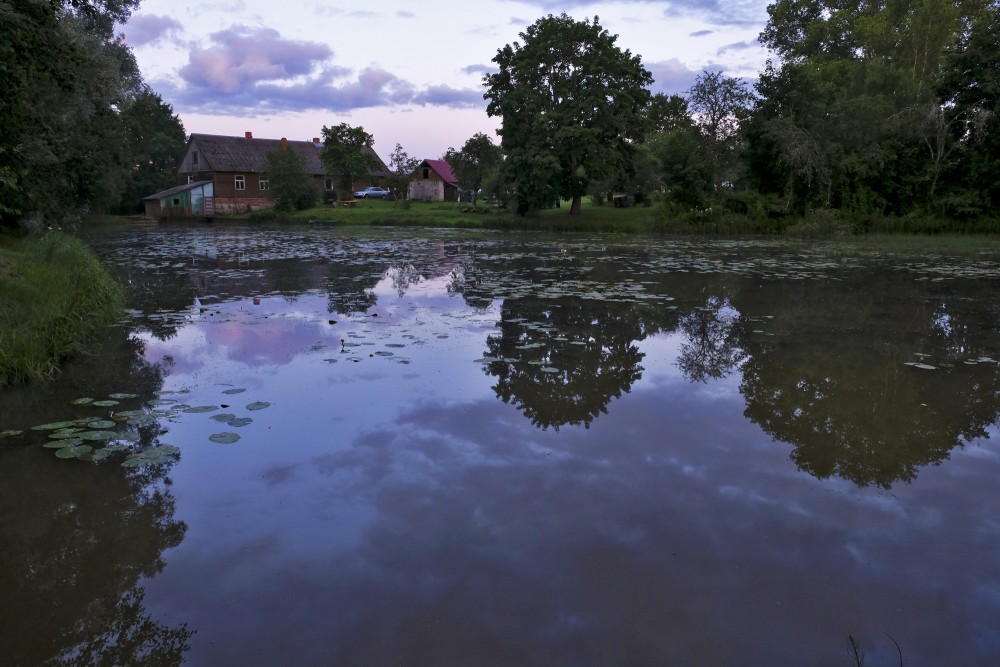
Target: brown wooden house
[
  {"x": 235, "y": 166},
  {"x": 433, "y": 180}
]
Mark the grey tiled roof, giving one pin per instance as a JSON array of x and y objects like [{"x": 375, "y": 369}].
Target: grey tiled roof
[{"x": 239, "y": 154}]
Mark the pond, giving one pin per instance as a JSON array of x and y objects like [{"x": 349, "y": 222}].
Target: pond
[{"x": 322, "y": 446}]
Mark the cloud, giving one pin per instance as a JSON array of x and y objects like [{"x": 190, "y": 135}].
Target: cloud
[
  {"x": 702, "y": 33},
  {"x": 478, "y": 69},
  {"x": 403, "y": 14},
  {"x": 146, "y": 29},
  {"x": 739, "y": 46},
  {"x": 444, "y": 95},
  {"x": 671, "y": 76},
  {"x": 716, "y": 12},
  {"x": 241, "y": 57}
]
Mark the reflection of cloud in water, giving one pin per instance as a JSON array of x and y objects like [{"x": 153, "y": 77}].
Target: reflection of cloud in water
[{"x": 476, "y": 540}]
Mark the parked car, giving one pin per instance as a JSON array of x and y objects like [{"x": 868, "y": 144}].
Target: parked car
[{"x": 371, "y": 192}]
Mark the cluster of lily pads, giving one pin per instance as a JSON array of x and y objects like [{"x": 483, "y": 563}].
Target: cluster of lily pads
[{"x": 94, "y": 439}]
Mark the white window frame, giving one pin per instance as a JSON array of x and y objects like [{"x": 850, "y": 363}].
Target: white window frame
[
  {"x": 263, "y": 184},
  {"x": 240, "y": 182}
]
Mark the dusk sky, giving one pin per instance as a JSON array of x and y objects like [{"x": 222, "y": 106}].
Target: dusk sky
[{"x": 408, "y": 72}]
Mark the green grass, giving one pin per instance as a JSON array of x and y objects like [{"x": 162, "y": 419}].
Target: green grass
[
  {"x": 463, "y": 215},
  {"x": 55, "y": 298}
]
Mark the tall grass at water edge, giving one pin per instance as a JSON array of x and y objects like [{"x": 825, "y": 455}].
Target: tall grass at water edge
[{"x": 55, "y": 298}]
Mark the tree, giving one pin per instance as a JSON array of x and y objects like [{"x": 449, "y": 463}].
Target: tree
[
  {"x": 851, "y": 118},
  {"x": 477, "y": 158},
  {"x": 65, "y": 76},
  {"x": 718, "y": 105},
  {"x": 289, "y": 181},
  {"x": 572, "y": 104},
  {"x": 347, "y": 155},
  {"x": 154, "y": 140},
  {"x": 401, "y": 166}
]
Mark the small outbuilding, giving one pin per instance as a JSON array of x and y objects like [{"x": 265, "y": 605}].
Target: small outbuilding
[
  {"x": 433, "y": 180},
  {"x": 183, "y": 201}
]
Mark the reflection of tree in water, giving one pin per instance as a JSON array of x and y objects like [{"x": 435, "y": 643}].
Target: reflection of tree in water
[
  {"x": 75, "y": 538},
  {"x": 833, "y": 381},
  {"x": 711, "y": 343},
  {"x": 403, "y": 277},
  {"x": 561, "y": 361},
  {"x": 350, "y": 287}
]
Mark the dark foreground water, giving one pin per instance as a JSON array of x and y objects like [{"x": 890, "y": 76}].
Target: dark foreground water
[{"x": 336, "y": 447}]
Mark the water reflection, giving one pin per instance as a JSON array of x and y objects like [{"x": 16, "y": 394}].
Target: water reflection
[
  {"x": 76, "y": 539},
  {"x": 565, "y": 451},
  {"x": 561, "y": 361}
]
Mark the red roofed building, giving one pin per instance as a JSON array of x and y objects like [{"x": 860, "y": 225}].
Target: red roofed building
[{"x": 433, "y": 180}]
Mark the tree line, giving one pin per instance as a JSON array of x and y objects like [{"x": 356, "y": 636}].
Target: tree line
[
  {"x": 81, "y": 131},
  {"x": 867, "y": 111}
]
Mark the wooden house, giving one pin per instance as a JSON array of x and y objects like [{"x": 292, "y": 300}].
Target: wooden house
[
  {"x": 433, "y": 180},
  {"x": 235, "y": 167}
]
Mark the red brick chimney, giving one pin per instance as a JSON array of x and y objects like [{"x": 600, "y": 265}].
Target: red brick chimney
[
  {"x": 248, "y": 135},
  {"x": 315, "y": 140}
]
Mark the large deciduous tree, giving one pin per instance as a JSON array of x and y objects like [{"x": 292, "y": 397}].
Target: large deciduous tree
[
  {"x": 852, "y": 117},
  {"x": 476, "y": 159},
  {"x": 154, "y": 141},
  {"x": 572, "y": 105},
  {"x": 347, "y": 155},
  {"x": 65, "y": 77}
]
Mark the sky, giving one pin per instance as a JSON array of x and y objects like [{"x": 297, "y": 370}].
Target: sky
[{"x": 407, "y": 72}]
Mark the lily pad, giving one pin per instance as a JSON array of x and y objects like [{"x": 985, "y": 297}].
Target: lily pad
[
  {"x": 105, "y": 404},
  {"x": 100, "y": 424},
  {"x": 85, "y": 400},
  {"x": 258, "y": 405},
  {"x": 73, "y": 451},
  {"x": 10, "y": 433},
  {"x": 152, "y": 456},
  {"x": 238, "y": 390},
  {"x": 202, "y": 408},
  {"x": 223, "y": 417},
  {"x": 105, "y": 452},
  {"x": 97, "y": 435},
  {"x": 120, "y": 396},
  {"x": 53, "y": 426},
  {"x": 65, "y": 433},
  {"x": 224, "y": 438},
  {"x": 62, "y": 444}
]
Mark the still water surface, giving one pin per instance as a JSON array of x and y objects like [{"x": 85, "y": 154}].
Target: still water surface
[{"x": 489, "y": 449}]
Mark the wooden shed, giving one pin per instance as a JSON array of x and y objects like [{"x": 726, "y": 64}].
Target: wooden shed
[{"x": 183, "y": 201}]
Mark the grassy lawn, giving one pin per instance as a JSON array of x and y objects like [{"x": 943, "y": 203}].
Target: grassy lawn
[
  {"x": 455, "y": 214},
  {"x": 55, "y": 298}
]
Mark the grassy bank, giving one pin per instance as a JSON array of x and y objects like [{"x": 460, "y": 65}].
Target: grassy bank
[
  {"x": 639, "y": 219},
  {"x": 55, "y": 298}
]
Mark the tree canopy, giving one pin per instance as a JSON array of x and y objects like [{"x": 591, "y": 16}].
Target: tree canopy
[
  {"x": 474, "y": 162},
  {"x": 347, "y": 155},
  {"x": 572, "y": 105},
  {"x": 65, "y": 78},
  {"x": 289, "y": 181}
]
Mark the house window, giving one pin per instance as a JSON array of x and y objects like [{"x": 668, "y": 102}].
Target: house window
[
  {"x": 194, "y": 158},
  {"x": 190, "y": 179},
  {"x": 241, "y": 182},
  {"x": 328, "y": 185},
  {"x": 427, "y": 173},
  {"x": 264, "y": 185},
  {"x": 177, "y": 201}
]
